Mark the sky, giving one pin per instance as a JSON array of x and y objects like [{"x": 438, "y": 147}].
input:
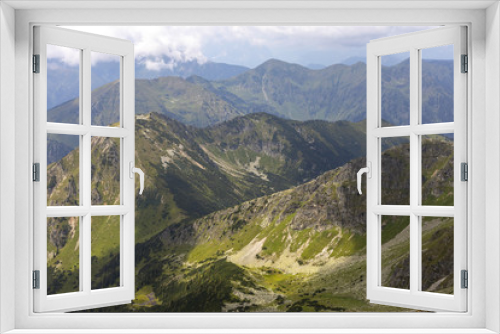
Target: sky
[{"x": 160, "y": 47}]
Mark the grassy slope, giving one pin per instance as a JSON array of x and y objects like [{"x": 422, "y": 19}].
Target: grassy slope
[
  {"x": 161, "y": 267},
  {"x": 256, "y": 287},
  {"x": 182, "y": 181}
]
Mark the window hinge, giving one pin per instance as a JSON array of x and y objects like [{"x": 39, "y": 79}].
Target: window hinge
[
  {"x": 36, "y": 279},
  {"x": 465, "y": 63},
  {"x": 464, "y": 171},
  {"x": 36, "y": 63},
  {"x": 465, "y": 279},
  {"x": 36, "y": 172}
]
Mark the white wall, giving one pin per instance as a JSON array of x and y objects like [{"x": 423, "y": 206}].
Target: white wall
[
  {"x": 7, "y": 160},
  {"x": 492, "y": 165}
]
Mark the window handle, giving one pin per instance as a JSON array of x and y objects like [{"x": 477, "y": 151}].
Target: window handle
[
  {"x": 133, "y": 170},
  {"x": 368, "y": 171}
]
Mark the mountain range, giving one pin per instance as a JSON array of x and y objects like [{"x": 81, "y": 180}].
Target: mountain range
[
  {"x": 286, "y": 90},
  {"x": 250, "y": 201},
  {"x": 225, "y": 225},
  {"x": 337, "y": 92},
  {"x": 63, "y": 77},
  {"x": 65, "y": 86}
]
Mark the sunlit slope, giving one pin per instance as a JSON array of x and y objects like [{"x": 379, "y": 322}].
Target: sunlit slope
[
  {"x": 191, "y": 172},
  {"x": 242, "y": 244},
  {"x": 301, "y": 249}
]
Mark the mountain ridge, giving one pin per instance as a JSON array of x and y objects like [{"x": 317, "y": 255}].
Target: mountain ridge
[
  {"x": 337, "y": 92},
  {"x": 65, "y": 78}
]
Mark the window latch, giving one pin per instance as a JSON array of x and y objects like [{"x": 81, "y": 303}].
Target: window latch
[
  {"x": 368, "y": 171},
  {"x": 133, "y": 170}
]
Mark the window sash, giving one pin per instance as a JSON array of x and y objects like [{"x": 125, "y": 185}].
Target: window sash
[
  {"x": 85, "y": 297},
  {"x": 414, "y": 298}
]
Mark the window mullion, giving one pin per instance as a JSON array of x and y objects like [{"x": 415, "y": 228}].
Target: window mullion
[
  {"x": 86, "y": 165},
  {"x": 82, "y": 224},
  {"x": 414, "y": 163}
]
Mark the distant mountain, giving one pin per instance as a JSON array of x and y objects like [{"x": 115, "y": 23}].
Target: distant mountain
[
  {"x": 389, "y": 60},
  {"x": 287, "y": 90},
  {"x": 293, "y": 91},
  {"x": 209, "y": 70},
  {"x": 172, "y": 96},
  {"x": 64, "y": 79},
  {"x": 353, "y": 60},
  {"x": 337, "y": 92},
  {"x": 315, "y": 66}
]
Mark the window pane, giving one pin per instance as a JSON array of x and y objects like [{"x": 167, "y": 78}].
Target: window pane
[
  {"x": 63, "y": 255},
  {"x": 105, "y": 89},
  {"x": 437, "y": 84},
  {"x": 395, "y": 89},
  {"x": 395, "y": 239},
  {"x": 395, "y": 180},
  {"x": 437, "y": 254},
  {"x": 437, "y": 170},
  {"x": 63, "y": 84},
  {"x": 105, "y": 251},
  {"x": 63, "y": 170},
  {"x": 105, "y": 171}
]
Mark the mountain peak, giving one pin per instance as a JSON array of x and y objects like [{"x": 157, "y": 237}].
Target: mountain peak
[{"x": 276, "y": 63}]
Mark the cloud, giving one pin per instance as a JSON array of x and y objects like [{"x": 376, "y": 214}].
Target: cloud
[
  {"x": 160, "y": 47},
  {"x": 152, "y": 45},
  {"x": 68, "y": 56},
  {"x": 345, "y": 36}
]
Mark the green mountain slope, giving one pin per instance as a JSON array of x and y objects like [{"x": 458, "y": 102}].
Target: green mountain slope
[
  {"x": 215, "y": 233},
  {"x": 192, "y": 172},
  {"x": 302, "y": 249}
]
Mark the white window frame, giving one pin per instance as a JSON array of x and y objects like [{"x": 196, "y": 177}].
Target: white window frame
[
  {"x": 85, "y": 297},
  {"x": 413, "y": 43},
  {"x": 483, "y": 103}
]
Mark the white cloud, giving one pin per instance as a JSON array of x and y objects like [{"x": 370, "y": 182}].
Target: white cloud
[
  {"x": 66, "y": 55},
  {"x": 183, "y": 43},
  {"x": 179, "y": 44}
]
